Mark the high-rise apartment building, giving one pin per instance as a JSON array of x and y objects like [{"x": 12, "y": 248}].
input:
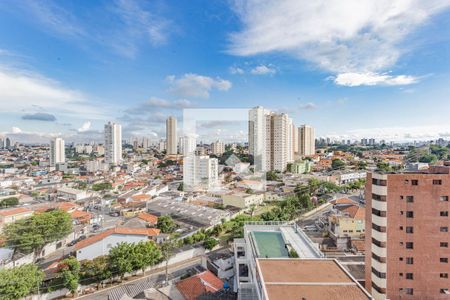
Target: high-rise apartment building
[
  {"x": 307, "y": 140},
  {"x": 270, "y": 137},
  {"x": 200, "y": 172},
  {"x": 407, "y": 234},
  {"x": 57, "y": 152},
  {"x": 217, "y": 148},
  {"x": 171, "y": 136},
  {"x": 113, "y": 143},
  {"x": 188, "y": 144}
]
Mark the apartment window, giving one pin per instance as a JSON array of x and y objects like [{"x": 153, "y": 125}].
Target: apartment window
[
  {"x": 378, "y": 273},
  {"x": 409, "y": 245},
  {"x": 409, "y": 276},
  {"x": 437, "y": 182},
  {"x": 406, "y": 181},
  {"x": 410, "y": 260},
  {"x": 409, "y": 229},
  {"x": 378, "y": 243},
  {"x": 410, "y": 199},
  {"x": 409, "y": 291},
  {"x": 378, "y": 228},
  {"x": 400, "y": 258},
  {"x": 443, "y": 198},
  {"x": 410, "y": 214},
  {"x": 444, "y": 291},
  {"x": 400, "y": 274},
  {"x": 378, "y": 258},
  {"x": 443, "y": 260},
  {"x": 443, "y": 275},
  {"x": 379, "y": 197},
  {"x": 401, "y": 228},
  {"x": 444, "y": 245},
  {"x": 381, "y": 182},
  {"x": 443, "y": 229},
  {"x": 414, "y": 182},
  {"x": 378, "y": 212},
  {"x": 444, "y": 213}
]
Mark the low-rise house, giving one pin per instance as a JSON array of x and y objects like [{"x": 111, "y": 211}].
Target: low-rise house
[
  {"x": 347, "y": 224},
  {"x": 150, "y": 219},
  {"x": 100, "y": 244},
  {"x": 242, "y": 200},
  {"x": 8, "y": 216},
  {"x": 71, "y": 194},
  {"x": 200, "y": 284},
  {"x": 221, "y": 263}
]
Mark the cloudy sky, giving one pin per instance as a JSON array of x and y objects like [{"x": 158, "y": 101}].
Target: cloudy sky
[{"x": 354, "y": 68}]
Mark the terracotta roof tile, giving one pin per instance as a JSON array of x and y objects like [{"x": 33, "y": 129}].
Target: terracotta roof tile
[
  {"x": 193, "y": 287},
  {"x": 149, "y": 218},
  {"x": 14, "y": 211}
]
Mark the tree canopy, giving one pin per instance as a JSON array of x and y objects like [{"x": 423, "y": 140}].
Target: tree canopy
[
  {"x": 69, "y": 270},
  {"x": 20, "y": 281},
  {"x": 166, "y": 224},
  {"x": 33, "y": 233}
]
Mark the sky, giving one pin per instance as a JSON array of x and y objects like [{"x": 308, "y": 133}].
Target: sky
[{"x": 351, "y": 69}]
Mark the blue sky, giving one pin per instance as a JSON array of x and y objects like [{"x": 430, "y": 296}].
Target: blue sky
[{"x": 359, "y": 68}]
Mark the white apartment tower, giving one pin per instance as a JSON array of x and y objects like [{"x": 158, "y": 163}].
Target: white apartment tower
[
  {"x": 188, "y": 144},
  {"x": 200, "y": 172},
  {"x": 307, "y": 141},
  {"x": 171, "y": 135},
  {"x": 57, "y": 152},
  {"x": 271, "y": 139},
  {"x": 217, "y": 148},
  {"x": 113, "y": 143}
]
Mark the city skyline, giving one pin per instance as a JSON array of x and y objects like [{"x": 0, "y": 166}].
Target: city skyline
[{"x": 64, "y": 72}]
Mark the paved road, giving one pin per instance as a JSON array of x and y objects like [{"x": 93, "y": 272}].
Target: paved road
[{"x": 136, "y": 286}]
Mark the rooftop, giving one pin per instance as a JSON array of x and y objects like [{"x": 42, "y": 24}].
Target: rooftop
[{"x": 308, "y": 279}]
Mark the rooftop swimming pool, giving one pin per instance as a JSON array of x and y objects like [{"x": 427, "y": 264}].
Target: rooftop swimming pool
[{"x": 270, "y": 244}]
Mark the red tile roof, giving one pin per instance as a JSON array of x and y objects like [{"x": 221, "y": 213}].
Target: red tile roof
[
  {"x": 149, "y": 218},
  {"x": 118, "y": 230},
  {"x": 14, "y": 211},
  {"x": 193, "y": 287}
]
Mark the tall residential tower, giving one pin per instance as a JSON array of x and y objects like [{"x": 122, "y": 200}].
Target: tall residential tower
[
  {"x": 171, "y": 136},
  {"x": 307, "y": 141},
  {"x": 113, "y": 143},
  {"x": 57, "y": 152}
]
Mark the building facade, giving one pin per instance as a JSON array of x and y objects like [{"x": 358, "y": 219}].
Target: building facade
[
  {"x": 57, "y": 152},
  {"x": 307, "y": 141},
  {"x": 200, "y": 172},
  {"x": 171, "y": 136},
  {"x": 407, "y": 236},
  {"x": 217, "y": 148},
  {"x": 113, "y": 143}
]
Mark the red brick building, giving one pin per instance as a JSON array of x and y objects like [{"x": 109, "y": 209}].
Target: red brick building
[{"x": 407, "y": 238}]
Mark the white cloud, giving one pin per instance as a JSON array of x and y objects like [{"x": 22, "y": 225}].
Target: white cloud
[
  {"x": 193, "y": 85},
  {"x": 21, "y": 90},
  {"x": 16, "y": 130},
  {"x": 263, "y": 70},
  {"x": 308, "y": 106},
  {"x": 85, "y": 127},
  {"x": 357, "y": 79},
  {"x": 236, "y": 70},
  {"x": 352, "y": 36}
]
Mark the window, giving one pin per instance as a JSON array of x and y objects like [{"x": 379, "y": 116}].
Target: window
[
  {"x": 409, "y": 245},
  {"x": 443, "y": 275},
  {"x": 443, "y": 198},
  {"x": 400, "y": 258},
  {"x": 443, "y": 229},
  {"x": 406, "y": 181},
  {"x": 410, "y": 214},
  {"x": 378, "y": 273},
  {"x": 443, "y": 260},
  {"x": 409, "y": 229},
  {"x": 410, "y": 199},
  {"x": 381, "y": 182},
  {"x": 444, "y": 213},
  {"x": 437, "y": 182},
  {"x": 378, "y": 243},
  {"x": 400, "y": 274},
  {"x": 378, "y": 212},
  {"x": 378, "y": 258},
  {"x": 444, "y": 245},
  {"x": 444, "y": 291},
  {"x": 409, "y": 276},
  {"x": 414, "y": 182},
  {"x": 401, "y": 212},
  {"x": 410, "y": 260},
  {"x": 401, "y": 228},
  {"x": 379, "y": 197},
  {"x": 409, "y": 291}
]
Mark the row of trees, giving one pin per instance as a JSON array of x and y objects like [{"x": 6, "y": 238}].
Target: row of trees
[{"x": 8, "y": 202}]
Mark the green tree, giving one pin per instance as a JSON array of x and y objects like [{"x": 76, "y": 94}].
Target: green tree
[
  {"x": 167, "y": 249},
  {"x": 272, "y": 176},
  {"x": 384, "y": 167},
  {"x": 69, "y": 270},
  {"x": 166, "y": 224},
  {"x": 32, "y": 233},
  {"x": 7, "y": 202},
  {"x": 337, "y": 164},
  {"x": 428, "y": 158},
  {"x": 145, "y": 254},
  {"x": 102, "y": 186},
  {"x": 96, "y": 269},
  {"x": 361, "y": 165},
  {"x": 119, "y": 259},
  {"x": 20, "y": 281},
  {"x": 210, "y": 243}
]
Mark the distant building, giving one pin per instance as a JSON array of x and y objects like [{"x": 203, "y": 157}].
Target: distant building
[
  {"x": 12, "y": 215},
  {"x": 307, "y": 141},
  {"x": 57, "y": 152},
  {"x": 188, "y": 144},
  {"x": 301, "y": 167},
  {"x": 70, "y": 194},
  {"x": 113, "y": 143},
  {"x": 217, "y": 148},
  {"x": 200, "y": 172},
  {"x": 407, "y": 234},
  {"x": 242, "y": 200},
  {"x": 171, "y": 135}
]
